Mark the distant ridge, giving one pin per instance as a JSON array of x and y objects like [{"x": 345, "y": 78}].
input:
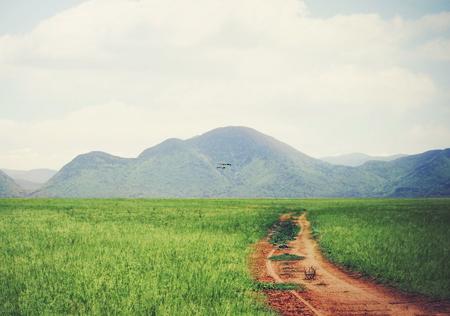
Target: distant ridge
[
  {"x": 261, "y": 166},
  {"x": 30, "y": 179},
  {"x": 358, "y": 159}
]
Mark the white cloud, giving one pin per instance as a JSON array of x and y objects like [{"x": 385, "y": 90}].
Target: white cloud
[
  {"x": 438, "y": 49},
  {"x": 436, "y": 23},
  {"x": 176, "y": 68},
  {"x": 127, "y": 130},
  {"x": 114, "y": 127},
  {"x": 431, "y": 136}
]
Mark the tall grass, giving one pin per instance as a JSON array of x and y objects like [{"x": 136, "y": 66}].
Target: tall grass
[
  {"x": 403, "y": 242},
  {"x": 152, "y": 257},
  {"x": 189, "y": 257}
]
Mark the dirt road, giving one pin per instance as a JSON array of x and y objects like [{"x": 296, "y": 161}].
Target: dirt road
[{"x": 333, "y": 291}]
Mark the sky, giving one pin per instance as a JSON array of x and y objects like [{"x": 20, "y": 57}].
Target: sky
[{"x": 326, "y": 77}]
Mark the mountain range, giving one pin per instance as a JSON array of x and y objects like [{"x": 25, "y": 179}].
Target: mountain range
[
  {"x": 242, "y": 162},
  {"x": 358, "y": 159}
]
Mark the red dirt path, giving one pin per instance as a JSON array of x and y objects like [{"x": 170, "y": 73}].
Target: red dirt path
[{"x": 333, "y": 291}]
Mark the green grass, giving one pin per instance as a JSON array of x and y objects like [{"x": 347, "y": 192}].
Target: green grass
[
  {"x": 152, "y": 257},
  {"x": 283, "y": 232},
  {"x": 190, "y": 257},
  {"x": 403, "y": 242},
  {"x": 286, "y": 257}
]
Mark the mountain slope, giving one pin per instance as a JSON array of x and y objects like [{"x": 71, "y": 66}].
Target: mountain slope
[
  {"x": 264, "y": 166},
  {"x": 261, "y": 166},
  {"x": 426, "y": 174},
  {"x": 169, "y": 169},
  {"x": 95, "y": 174},
  {"x": 8, "y": 188},
  {"x": 357, "y": 159}
]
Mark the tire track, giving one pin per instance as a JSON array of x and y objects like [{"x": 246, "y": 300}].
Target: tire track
[{"x": 271, "y": 272}]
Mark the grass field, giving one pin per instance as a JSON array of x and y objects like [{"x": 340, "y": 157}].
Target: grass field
[
  {"x": 130, "y": 256},
  {"x": 405, "y": 243},
  {"x": 190, "y": 257}
]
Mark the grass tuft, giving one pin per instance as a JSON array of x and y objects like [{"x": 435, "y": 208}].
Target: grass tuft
[
  {"x": 283, "y": 232},
  {"x": 286, "y": 257}
]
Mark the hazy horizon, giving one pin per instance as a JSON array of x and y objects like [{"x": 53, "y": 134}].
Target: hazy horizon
[{"x": 120, "y": 76}]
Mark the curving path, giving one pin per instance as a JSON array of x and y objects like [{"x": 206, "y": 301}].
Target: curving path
[{"x": 334, "y": 291}]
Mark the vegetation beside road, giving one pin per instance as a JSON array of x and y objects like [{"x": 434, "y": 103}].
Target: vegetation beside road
[
  {"x": 153, "y": 257},
  {"x": 190, "y": 257},
  {"x": 401, "y": 242}
]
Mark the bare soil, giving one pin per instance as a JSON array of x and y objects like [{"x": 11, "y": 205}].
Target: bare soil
[{"x": 333, "y": 291}]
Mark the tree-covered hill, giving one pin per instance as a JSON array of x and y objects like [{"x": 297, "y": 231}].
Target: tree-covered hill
[{"x": 261, "y": 166}]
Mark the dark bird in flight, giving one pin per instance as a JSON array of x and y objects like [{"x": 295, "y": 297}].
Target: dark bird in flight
[{"x": 222, "y": 165}]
